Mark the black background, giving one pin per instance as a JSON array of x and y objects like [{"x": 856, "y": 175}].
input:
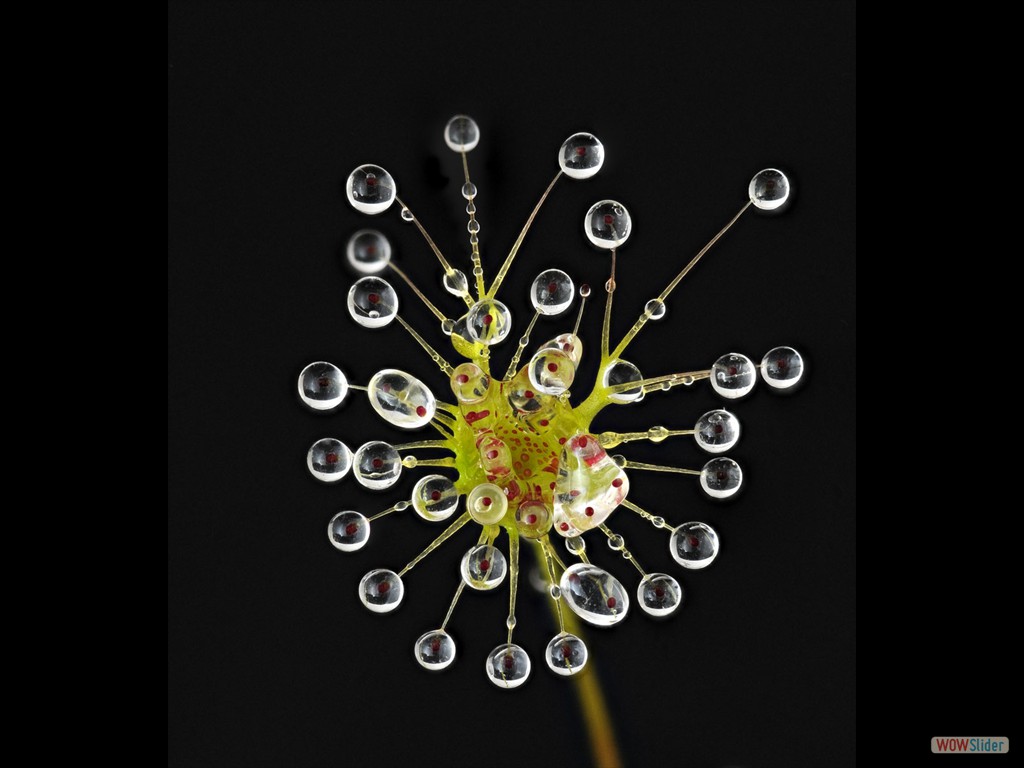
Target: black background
[{"x": 272, "y": 661}]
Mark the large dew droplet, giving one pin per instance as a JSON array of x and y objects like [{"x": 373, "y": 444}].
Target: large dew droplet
[
  {"x": 607, "y": 224},
  {"x": 486, "y": 504},
  {"x": 370, "y": 189},
  {"x": 623, "y": 372},
  {"x": 589, "y": 485},
  {"x": 721, "y": 478},
  {"x": 569, "y": 343},
  {"x": 376, "y": 465},
  {"x": 659, "y": 594},
  {"x": 348, "y": 531},
  {"x": 782, "y": 367},
  {"x": 483, "y": 567},
  {"x": 717, "y": 431},
  {"x": 435, "y": 650},
  {"x": 594, "y": 595},
  {"x": 495, "y": 458},
  {"x": 372, "y": 302},
  {"x": 694, "y": 545},
  {"x": 769, "y": 189},
  {"x": 322, "y": 386},
  {"x": 381, "y": 590},
  {"x": 566, "y": 654},
  {"x": 581, "y": 156},
  {"x": 434, "y": 498},
  {"x": 552, "y": 292},
  {"x": 462, "y": 134},
  {"x": 534, "y": 518},
  {"x": 551, "y": 371},
  {"x": 576, "y": 545},
  {"x": 508, "y": 666},
  {"x": 455, "y": 282},
  {"x": 522, "y": 395},
  {"x": 655, "y": 309},
  {"x": 368, "y": 251},
  {"x": 733, "y": 376},
  {"x": 401, "y": 399},
  {"x": 469, "y": 383},
  {"x": 328, "y": 460},
  {"x": 561, "y": 523},
  {"x": 488, "y": 322}
]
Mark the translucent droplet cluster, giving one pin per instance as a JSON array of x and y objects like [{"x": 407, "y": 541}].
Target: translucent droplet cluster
[{"x": 519, "y": 461}]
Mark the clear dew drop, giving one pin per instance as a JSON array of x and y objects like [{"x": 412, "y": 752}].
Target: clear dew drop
[
  {"x": 376, "y": 465},
  {"x": 486, "y": 503},
  {"x": 508, "y": 666},
  {"x": 401, "y": 399},
  {"x": 581, "y": 156},
  {"x": 407, "y": 215},
  {"x": 534, "y": 519},
  {"x": 594, "y": 595},
  {"x": 562, "y": 525},
  {"x": 328, "y": 460},
  {"x": 348, "y": 531},
  {"x": 552, "y": 292},
  {"x": 462, "y": 134},
  {"x": 461, "y": 330},
  {"x": 551, "y": 371},
  {"x": 372, "y": 302},
  {"x": 368, "y": 251},
  {"x": 694, "y": 545},
  {"x": 381, "y": 590},
  {"x": 488, "y": 322},
  {"x": 469, "y": 383},
  {"x": 769, "y": 189},
  {"x": 655, "y": 309},
  {"x": 566, "y": 654},
  {"x": 322, "y": 386},
  {"x": 469, "y": 192},
  {"x": 721, "y": 478},
  {"x": 447, "y": 326},
  {"x": 569, "y": 343},
  {"x": 456, "y": 282},
  {"x": 576, "y": 545},
  {"x": 434, "y": 650},
  {"x": 782, "y": 367},
  {"x": 434, "y": 498},
  {"x": 483, "y": 567},
  {"x": 733, "y": 376},
  {"x": 589, "y": 486},
  {"x": 717, "y": 431},
  {"x": 370, "y": 189},
  {"x": 616, "y": 543},
  {"x": 607, "y": 224},
  {"x": 659, "y": 594},
  {"x": 623, "y": 372}
]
